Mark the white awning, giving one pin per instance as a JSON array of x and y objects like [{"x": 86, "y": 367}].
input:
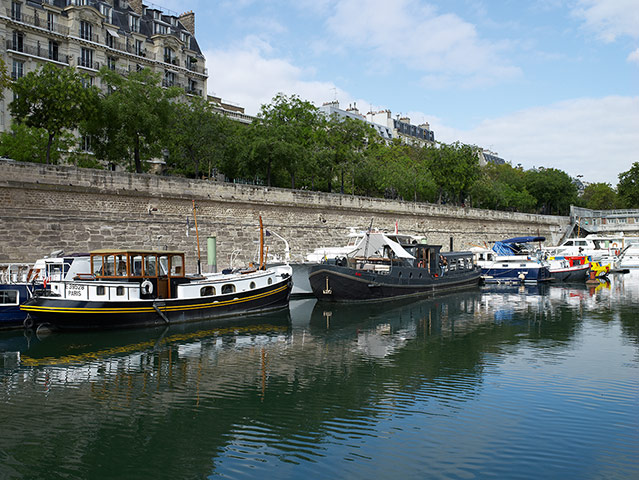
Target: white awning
[
  {"x": 374, "y": 243},
  {"x": 113, "y": 33}
]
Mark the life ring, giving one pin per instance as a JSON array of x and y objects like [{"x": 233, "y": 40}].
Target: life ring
[
  {"x": 614, "y": 245},
  {"x": 421, "y": 264},
  {"x": 147, "y": 287}
]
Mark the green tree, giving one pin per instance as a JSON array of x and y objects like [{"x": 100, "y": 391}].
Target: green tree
[
  {"x": 599, "y": 196},
  {"x": 553, "y": 189},
  {"x": 5, "y": 80},
  {"x": 345, "y": 140},
  {"x": 29, "y": 144},
  {"x": 502, "y": 187},
  {"x": 455, "y": 168},
  {"x": 197, "y": 139},
  {"x": 283, "y": 137},
  {"x": 628, "y": 187},
  {"x": 133, "y": 117},
  {"x": 53, "y": 99}
]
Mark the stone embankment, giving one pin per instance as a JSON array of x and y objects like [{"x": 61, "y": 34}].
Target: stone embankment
[{"x": 47, "y": 208}]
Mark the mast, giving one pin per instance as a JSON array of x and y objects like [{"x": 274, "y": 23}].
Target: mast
[
  {"x": 261, "y": 244},
  {"x": 197, "y": 236}
]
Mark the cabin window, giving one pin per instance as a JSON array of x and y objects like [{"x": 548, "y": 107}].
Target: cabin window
[
  {"x": 228, "y": 288},
  {"x": 568, "y": 243},
  {"x": 108, "y": 268},
  {"x": 163, "y": 265},
  {"x": 120, "y": 265},
  {"x": 252, "y": 285},
  {"x": 119, "y": 291},
  {"x": 177, "y": 267},
  {"x": 150, "y": 266},
  {"x": 270, "y": 281},
  {"x": 207, "y": 291},
  {"x": 96, "y": 265},
  {"x": 100, "y": 290},
  {"x": 8, "y": 297},
  {"x": 136, "y": 265}
]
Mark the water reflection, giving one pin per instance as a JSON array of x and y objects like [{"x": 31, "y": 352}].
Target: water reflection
[{"x": 334, "y": 390}]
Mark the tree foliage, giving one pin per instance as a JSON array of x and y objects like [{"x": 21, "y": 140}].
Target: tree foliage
[
  {"x": 29, "y": 144},
  {"x": 53, "y": 99},
  {"x": 133, "y": 118},
  {"x": 553, "y": 189},
  {"x": 455, "y": 168},
  {"x": 198, "y": 139},
  {"x": 628, "y": 187},
  {"x": 5, "y": 80},
  {"x": 600, "y": 196}
]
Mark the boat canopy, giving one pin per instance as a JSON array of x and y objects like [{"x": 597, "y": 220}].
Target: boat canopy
[
  {"x": 374, "y": 243},
  {"x": 515, "y": 246}
]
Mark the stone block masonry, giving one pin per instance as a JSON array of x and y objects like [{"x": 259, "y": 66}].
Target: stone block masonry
[{"x": 48, "y": 208}]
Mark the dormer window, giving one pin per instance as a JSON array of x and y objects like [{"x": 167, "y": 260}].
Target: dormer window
[
  {"x": 134, "y": 23},
  {"x": 160, "y": 29}
]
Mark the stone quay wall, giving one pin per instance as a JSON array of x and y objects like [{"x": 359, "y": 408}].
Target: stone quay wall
[{"x": 47, "y": 208}]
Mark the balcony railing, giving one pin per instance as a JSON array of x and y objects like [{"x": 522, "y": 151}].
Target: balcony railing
[
  {"x": 193, "y": 67},
  {"x": 36, "y": 21},
  {"x": 41, "y": 51},
  {"x": 88, "y": 63},
  {"x": 89, "y": 37},
  {"x": 193, "y": 91}
]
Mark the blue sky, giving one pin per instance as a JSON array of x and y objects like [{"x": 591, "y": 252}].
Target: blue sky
[{"x": 552, "y": 83}]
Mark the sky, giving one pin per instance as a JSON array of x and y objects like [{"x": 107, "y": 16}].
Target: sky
[{"x": 543, "y": 83}]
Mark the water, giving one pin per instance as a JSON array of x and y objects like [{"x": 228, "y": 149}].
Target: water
[{"x": 498, "y": 382}]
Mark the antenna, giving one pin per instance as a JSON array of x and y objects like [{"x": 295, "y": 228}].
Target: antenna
[{"x": 334, "y": 93}]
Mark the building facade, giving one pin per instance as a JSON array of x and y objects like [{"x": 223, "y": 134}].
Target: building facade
[
  {"x": 123, "y": 35},
  {"x": 387, "y": 127}
]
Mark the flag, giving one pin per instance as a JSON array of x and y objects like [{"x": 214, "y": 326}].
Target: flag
[{"x": 396, "y": 226}]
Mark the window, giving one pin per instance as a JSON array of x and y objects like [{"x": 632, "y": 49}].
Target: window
[
  {"x": 139, "y": 49},
  {"x": 111, "y": 62},
  {"x": 18, "y": 41},
  {"x": 136, "y": 265},
  {"x": 169, "y": 79},
  {"x": 86, "y": 60},
  {"x": 119, "y": 291},
  {"x": 270, "y": 280},
  {"x": 50, "y": 20},
  {"x": 134, "y": 23},
  {"x": 207, "y": 291},
  {"x": 86, "y": 30},
  {"x": 150, "y": 266},
  {"x": 96, "y": 265},
  {"x": 18, "y": 69},
  {"x": 53, "y": 50},
  {"x": 100, "y": 290},
  {"x": 186, "y": 39},
  {"x": 8, "y": 297},
  {"x": 16, "y": 11},
  {"x": 160, "y": 29},
  {"x": 109, "y": 40},
  {"x": 120, "y": 265},
  {"x": 252, "y": 285},
  {"x": 168, "y": 55},
  {"x": 228, "y": 288},
  {"x": 85, "y": 143},
  {"x": 177, "y": 267}
]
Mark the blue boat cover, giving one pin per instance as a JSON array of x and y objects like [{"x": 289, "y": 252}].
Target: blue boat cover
[{"x": 515, "y": 246}]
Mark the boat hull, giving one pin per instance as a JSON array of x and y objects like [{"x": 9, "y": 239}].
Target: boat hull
[
  {"x": 528, "y": 274},
  {"x": 13, "y": 295},
  {"x": 67, "y": 314},
  {"x": 577, "y": 273},
  {"x": 333, "y": 283}
]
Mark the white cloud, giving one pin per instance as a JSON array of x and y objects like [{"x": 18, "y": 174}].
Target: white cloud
[
  {"x": 246, "y": 74},
  {"x": 443, "y": 46},
  {"x": 610, "y": 19},
  {"x": 596, "y": 138},
  {"x": 633, "y": 57}
]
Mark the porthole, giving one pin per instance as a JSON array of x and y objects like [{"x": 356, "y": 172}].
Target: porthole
[
  {"x": 119, "y": 291},
  {"x": 252, "y": 285},
  {"x": 270, "y": 280},
  {"x": 207, "y": 291},
  {"x": 228, "y": 288}
]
